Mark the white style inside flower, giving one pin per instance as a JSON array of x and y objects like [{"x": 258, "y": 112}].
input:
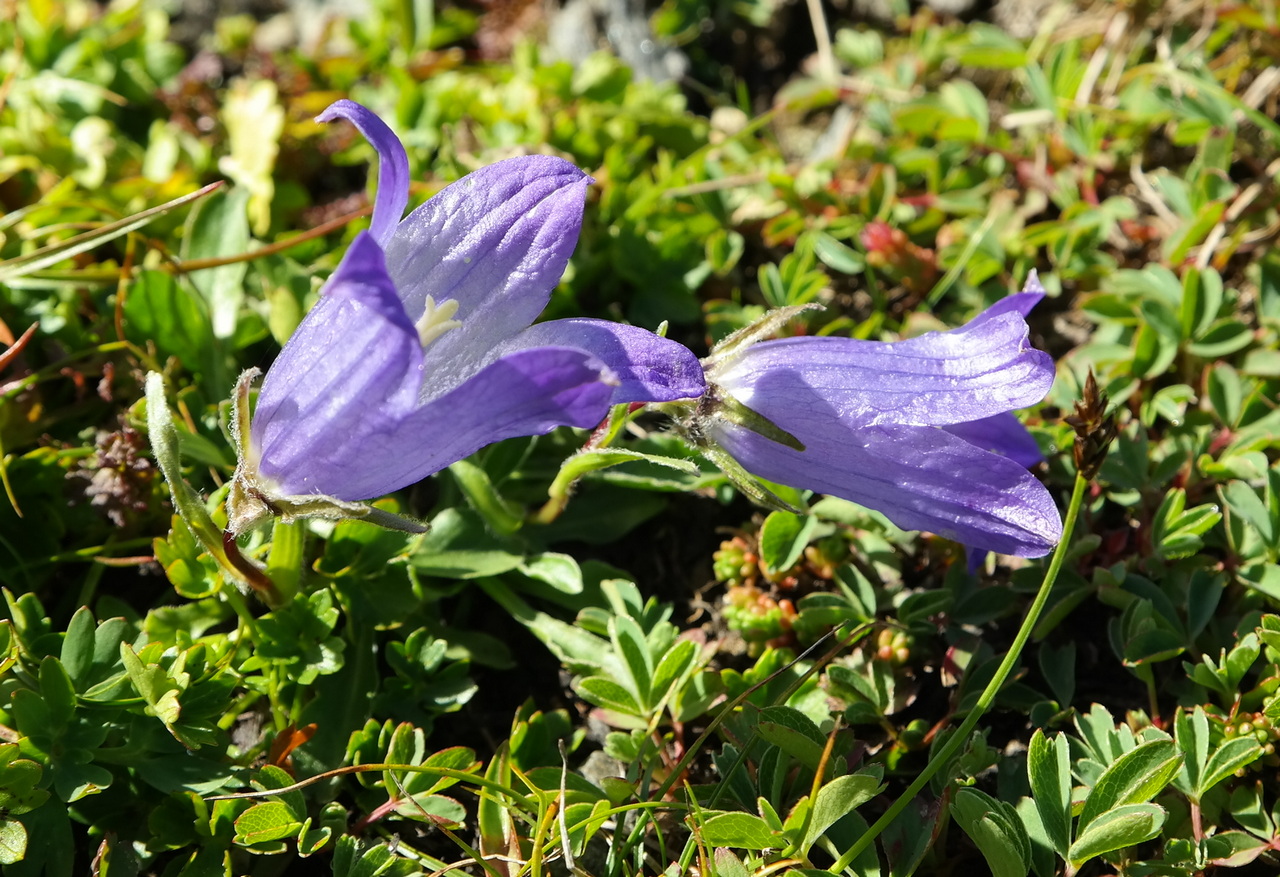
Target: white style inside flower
[{"x": 436, "y": 320}]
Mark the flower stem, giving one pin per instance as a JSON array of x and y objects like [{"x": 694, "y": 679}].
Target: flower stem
[{"x": 988, "y": 696}]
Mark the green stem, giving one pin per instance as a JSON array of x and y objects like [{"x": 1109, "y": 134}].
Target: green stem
[{"x": 961, "y": 736}]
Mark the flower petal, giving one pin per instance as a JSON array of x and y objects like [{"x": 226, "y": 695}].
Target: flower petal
[
  {"x": 920, "y": 477},
  {"x": 526, "y": 393},
  {"x": 393, "y": 165},
  {"x": 352, "y": 369},
  {"x": 496, "y": 242},
  {"x": 1002, "y": 433},
  {"x": 1020, "y": 302},
  {"x": 983, "y": 368},
  {"x": 649, "y": 368}
]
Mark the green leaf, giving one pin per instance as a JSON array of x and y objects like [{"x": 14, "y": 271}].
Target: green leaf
[
  {"x": 271, "y": 777},
  {"x": 502, "y": 516},
  {"x": 57, "y": 692},
  {"x": 837, "y": 255},
  {"x": 1191, "y": 732},
  {"x": 1043, "y": 857},
  {"x": 729, "y": 865},
  {"x": 458, "y": 546},
  {"x": 1223, "y": 339},
  {"x": 269, "y": 821},
  {"x": 629, "y": 642},
  {"x": 13, "y": 841},
  {"x": 161, "y": 311},
  {"x": 560, "y": 571},
  {"x": 608, "y": 694},
  {"x": 78, "y": 645},
  {"x": 794, "y": 733},
  {"x": 673, "y": 665},
  {"x": 312, "y": 840},
  {"x": 996, "y": 829},
  {"x": 157, "y": 688},
  {"x": 8, "y": 646},
  {"x": 1116, "y": 829},
  {"x": 1136, "y": 776},
  {"x": 1244, "y": 501},
  {"x": 219, "y": 227},
  {"x": 1049, "y": 771},
  {"x": 990, "y": 48},
  {"x": 437, "y": 809},
  {"x": 180, "y": 555},
  {"x": 18, "y": 780},
  {"x": 1233, "y": 849},
  {"x": 741, "y": 831},
  {"x": 1227, "y": 759},
  {"x": 783, "y": 538},
  {"x": 1226, "y": 393},
  {"x": 841, "y": 796}
]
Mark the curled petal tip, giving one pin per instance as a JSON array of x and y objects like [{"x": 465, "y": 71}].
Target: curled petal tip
[{"x": 393, "y": 165}]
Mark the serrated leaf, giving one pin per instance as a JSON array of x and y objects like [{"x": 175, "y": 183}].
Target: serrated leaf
[
  {"x": 157, "y": 688},
  {"x": 1116, "y": 829}
]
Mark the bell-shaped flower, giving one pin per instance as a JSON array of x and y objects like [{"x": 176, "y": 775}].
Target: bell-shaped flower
[
  {"x": 420, "y": 350},
  {"x": 920, "y": 429}
]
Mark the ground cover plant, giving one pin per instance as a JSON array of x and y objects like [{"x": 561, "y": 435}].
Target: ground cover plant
[{"x": 614, "y": 651}]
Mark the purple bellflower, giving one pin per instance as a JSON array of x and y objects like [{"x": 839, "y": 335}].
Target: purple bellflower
[
  {"x": 420, "y": 350},
  {"x": 920, "y": 429}
]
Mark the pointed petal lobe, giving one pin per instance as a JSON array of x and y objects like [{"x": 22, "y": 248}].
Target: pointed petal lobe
[{"x": 393, "y": 165}]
